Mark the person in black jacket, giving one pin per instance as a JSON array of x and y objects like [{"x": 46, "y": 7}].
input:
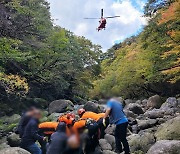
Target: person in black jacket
[
  {"x": 58, "y": 140},
  {"x": 30, "y": 135},
  {"x": 24, "y": 121}
]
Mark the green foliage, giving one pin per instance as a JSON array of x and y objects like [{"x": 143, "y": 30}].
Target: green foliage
[
  {"x": 49, "y": 62},
  {"x": 147, "y": 64}
]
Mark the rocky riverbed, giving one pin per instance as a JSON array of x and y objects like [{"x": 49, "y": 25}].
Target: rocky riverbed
[{"x": 154, "y": 125}]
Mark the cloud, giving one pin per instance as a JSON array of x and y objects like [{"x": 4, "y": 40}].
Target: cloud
[{"x": 70, "y": 15}]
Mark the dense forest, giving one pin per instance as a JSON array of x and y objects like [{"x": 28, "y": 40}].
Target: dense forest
[
  {"x": 146, "y": 64},
  {"x": 41, "y": 62}
]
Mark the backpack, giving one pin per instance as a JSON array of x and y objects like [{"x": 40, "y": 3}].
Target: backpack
[{"x": 92, "y": 127}]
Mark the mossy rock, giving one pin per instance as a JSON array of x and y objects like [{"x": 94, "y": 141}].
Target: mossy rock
[
  {"x": 7, "y": 127},
  {"x": 138, "y": 152},
  {"x": 169, "y": 130},
  {"x": 3, "y": 146},
  {"x": 11, "y": 119},
  {"x": 53, "y": 116},
  {"x": 44, "y": 119},
  {"x": 141, "y": 142}
]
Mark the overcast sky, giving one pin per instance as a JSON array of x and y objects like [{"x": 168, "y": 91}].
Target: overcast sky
[{"x": 70, "y": 14}]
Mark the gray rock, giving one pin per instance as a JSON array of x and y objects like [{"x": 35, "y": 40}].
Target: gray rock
[
  {"x": 97, "y": 150},
  {"x": 154, "y": 102},
  {"x": 14, "y": 140},
  {"x": 128, "y": 101},
  {"x": 11, "y": 119},
  {"x": 110, "y": 129},
  {"x": 60, "y": 106},
  {"x": 3, "y": 146},
  {"x": 155, "y": 113},
  {"x": 102, "y": 101},
  {"x": 53, "y": 116},
  {"x": 102, "y": 109},
  {"x": 138, "y": 102},
  {"x": 141, "y": 142},
  {"x": 91, "y": 106},
  {"x": 171, "y": 102},
  {"x": 169, "y": 130},
  {"x": 111, "y": 140},
  {"x": 135, "y": 108},
  {"x": 13, "y": 150},
  {"x": 135, "y": 129},
  {"x": 104, "y": 145},
  {"x": 144, "y": 124},
  {"x": 108, "y": 152},
  {"x": 165, "y": 147},
  {"x": 144, "y": 102},
  {"x": 130, "y": 114}
]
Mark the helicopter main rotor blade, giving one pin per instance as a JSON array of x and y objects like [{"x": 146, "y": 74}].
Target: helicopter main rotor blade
[
  {"x": 92, "y": 18},
  {"x": 102, "y": 13},
  {"x": 112, "y": 17}
]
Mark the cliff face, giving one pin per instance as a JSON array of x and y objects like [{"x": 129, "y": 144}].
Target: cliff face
[{"x": 146, "y": 64}]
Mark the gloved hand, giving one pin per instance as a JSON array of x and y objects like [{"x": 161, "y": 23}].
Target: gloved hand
[
  {"x": 86, "y": 131},
  {"x": 104, "y": 122}
]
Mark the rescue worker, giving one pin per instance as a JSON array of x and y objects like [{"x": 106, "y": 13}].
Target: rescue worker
[
  {"x": 58, "y": 140},
  {"x": 115, "y": 112},
  {"x": 30, "y": 135},
  {"x": 87, "y": 132},
  {"x": 87, "y": 114},
  {"x": 97, "y": 117},
  {"x": 69, "y": 120}
]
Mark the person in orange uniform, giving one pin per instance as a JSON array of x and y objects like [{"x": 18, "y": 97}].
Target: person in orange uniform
[
  {"x": 69, "y": 120},
  {"x": 97, "y": 117},
  {"x": 87, "y": 114}
]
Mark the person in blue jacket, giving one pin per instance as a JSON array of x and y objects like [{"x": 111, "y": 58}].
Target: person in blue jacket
[
  {"x": 30, "y": 135},
  {"x": 116, "y": 116}
]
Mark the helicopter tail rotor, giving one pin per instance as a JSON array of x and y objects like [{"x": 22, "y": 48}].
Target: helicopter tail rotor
[{"x": 112, "y": 17}]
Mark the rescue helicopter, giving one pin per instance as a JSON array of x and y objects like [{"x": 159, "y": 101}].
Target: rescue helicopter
[{"x": 102, "y": 21}]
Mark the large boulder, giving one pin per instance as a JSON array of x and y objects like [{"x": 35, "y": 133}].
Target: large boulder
[
  {"x": 144, "y": 124},
  {"x": 155, "y": 113},
  {"x": 141, "y": 142},
  {"x": 154, "y": 102},
  {"x": 169, "y": 130},
  {"x": 14, "y": 140},
  {"x": 14, "y": 150},
  {"x": 171, "y": 102},
  {"x": 165, "y": 147},
  {"x": 135, "y": 108},
  {"x": 111, "y": 140},
  {"x": 104, "y": 145},
  {"x": 91, "y": 106},
  {"x": 60, "y": 106},
  {"x": 171, "y": 106}
]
